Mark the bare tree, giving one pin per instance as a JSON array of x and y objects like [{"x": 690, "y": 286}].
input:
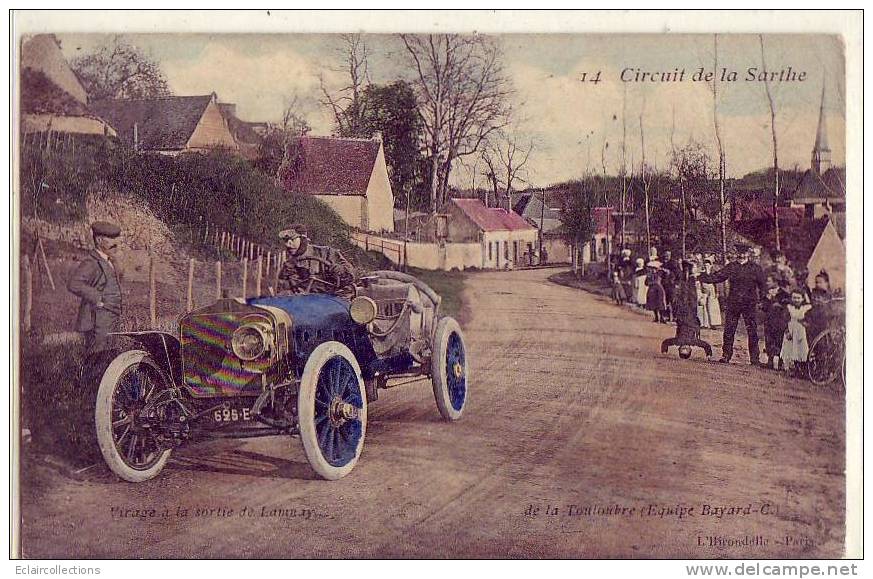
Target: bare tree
[
  {"x": 119, "y": 70},
  {"x": 624, "y": 183},
  {"x": 772, "y": 104},
  {"x": 505, "y": 159},
  {"x": 720, "y": 147},
  {"x": 347, "y": 104},
  {"x": 680, "y": 176},
  {"x": 647, "y": 182},
  {"x": 280, "y": 149},
  {"x": 462, "y": 93}
]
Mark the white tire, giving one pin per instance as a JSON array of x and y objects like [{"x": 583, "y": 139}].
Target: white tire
[
  {"x": 450, "y": 371},
  {"x": 332, "y": 410},
  {"x": 129, "y": 451}
]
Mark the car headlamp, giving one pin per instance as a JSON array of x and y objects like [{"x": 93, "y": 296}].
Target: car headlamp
[
  {"x": 362, "y": 310},
  {"x": 250, "y": 341}
]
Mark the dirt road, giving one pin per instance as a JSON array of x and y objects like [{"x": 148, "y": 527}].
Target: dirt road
[{"x": 580, "y": 440}]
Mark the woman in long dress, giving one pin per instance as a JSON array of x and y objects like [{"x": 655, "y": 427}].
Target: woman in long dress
[
  {"x": 639, "y": 284},
  {"x": 702, "y": 313},
  {"x": 711, "y": 305}
]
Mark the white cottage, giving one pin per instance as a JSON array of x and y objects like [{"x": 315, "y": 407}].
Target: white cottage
[{"x": 349, "y": 175}]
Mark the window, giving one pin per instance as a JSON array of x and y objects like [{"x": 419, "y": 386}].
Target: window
[
  {"x": 514, "y": 251},
  {"x": 506, "y": 250},
  {"x": 490, "y": 256}
]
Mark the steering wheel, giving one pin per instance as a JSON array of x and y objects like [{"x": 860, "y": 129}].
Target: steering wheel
[{"x": 325, "y": 281}]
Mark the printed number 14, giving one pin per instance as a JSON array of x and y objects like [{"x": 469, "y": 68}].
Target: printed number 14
[{"x": 594, "y": 77}]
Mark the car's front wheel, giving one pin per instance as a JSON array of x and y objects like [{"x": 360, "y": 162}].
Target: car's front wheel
[
  {"x": 450, "y": 371},
  {"x": 332, "y": 410},
  {"x": 126, "y": 417}
]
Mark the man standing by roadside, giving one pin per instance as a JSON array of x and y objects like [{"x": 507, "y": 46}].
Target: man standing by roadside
[
  {"x": 95, "y": 282},
  {"x": 747, "y": 286}
]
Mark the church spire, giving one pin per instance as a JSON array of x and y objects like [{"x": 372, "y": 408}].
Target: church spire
[{"x": 821, "y": 152}]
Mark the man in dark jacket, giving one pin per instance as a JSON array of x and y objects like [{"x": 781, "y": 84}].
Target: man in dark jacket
[
  {"x": 95, "y": 282},
  {"x": 747, "y": 286},
  {"x": 312, "y": 268}
]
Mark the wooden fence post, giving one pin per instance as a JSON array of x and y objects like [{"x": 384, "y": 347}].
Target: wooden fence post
[
  {"x": 276, "y": 274},
  {"x": 45, "y": 262},
  {"x": 218, "y": 280},
  {"x": 189, "y": 302},
  {"x": 28, "y": 293},
  {"x": 258, "y": 278},
  {"x": 245, "y": 275},
  {"x": 153, "y": 298}
]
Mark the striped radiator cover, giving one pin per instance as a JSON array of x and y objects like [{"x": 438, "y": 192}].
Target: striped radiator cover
[{"x": 210, "y": 368}]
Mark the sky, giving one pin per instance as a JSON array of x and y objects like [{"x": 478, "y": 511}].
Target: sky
[{"x": 572, "y": 123}]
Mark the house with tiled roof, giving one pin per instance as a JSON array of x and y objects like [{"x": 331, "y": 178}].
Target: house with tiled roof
[
  {"x": 507, "y": 240},
  {"x": 169, "y": 125},
  {"x": 534, "y": 207},
  {"x": 349, "y": 175},
  {"x": 52, "y": 98}
]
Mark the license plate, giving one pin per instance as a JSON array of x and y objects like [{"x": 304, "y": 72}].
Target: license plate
[{"x": 225, "y": 415}]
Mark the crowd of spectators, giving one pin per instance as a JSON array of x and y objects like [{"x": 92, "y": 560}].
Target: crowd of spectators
[{"x": 789, "y": 311}]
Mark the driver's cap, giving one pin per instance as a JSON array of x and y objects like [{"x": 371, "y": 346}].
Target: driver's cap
[{"x": 296, "y": 230}]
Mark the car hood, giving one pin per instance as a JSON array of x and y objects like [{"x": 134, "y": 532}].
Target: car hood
[{"x": 309, "y": 310}]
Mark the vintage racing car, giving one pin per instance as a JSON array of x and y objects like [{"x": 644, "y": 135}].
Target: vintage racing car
[{"x": 305, "y": 364}]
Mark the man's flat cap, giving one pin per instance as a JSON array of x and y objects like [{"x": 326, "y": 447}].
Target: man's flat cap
[
  {"x": 105, "y": 229},
  {"x": 741, "y": 247},
  {"x": 295, "y": 230}
]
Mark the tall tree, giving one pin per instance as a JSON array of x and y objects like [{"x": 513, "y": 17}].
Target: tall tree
[
  {"x": 119, "y": 70},
  {"x": 647, "y": 183},
  {"x": 348, "y": 104},
  {"x": 772, "y": 104},
  {"x": 577, "y": 217},
  {"x": 505, "y": 158},
  {"x": 279, "y": 141},
  {"x": 462, "y": 95},
  {"x": 722, "y": 165},
  {"x": 392, "y": 111},
  {"x": 692, "y": 167}
]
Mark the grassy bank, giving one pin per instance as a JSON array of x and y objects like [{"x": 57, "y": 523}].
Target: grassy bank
[{"x": 449, "y": 285}]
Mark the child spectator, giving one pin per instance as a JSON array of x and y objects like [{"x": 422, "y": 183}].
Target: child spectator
[
  {"x": 822, "y": 290},
  {"x": 656, "y": 299},
  {"x": 795, "y": 347},
  {"x": 618, "y": 293},
  {"x": 775, "y": 322}
]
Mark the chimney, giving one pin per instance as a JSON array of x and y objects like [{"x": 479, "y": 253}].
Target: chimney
[{"x": 135, "y": 137}]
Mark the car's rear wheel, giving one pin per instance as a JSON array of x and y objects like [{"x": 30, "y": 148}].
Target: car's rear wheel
[
  {"x": 450, "y": 372},
  {"x": 126, "y": 420},
  {"x": 332, "y": 410}
]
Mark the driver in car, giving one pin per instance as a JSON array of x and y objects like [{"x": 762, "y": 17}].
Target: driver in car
[{"x": 309, "y": 267}]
